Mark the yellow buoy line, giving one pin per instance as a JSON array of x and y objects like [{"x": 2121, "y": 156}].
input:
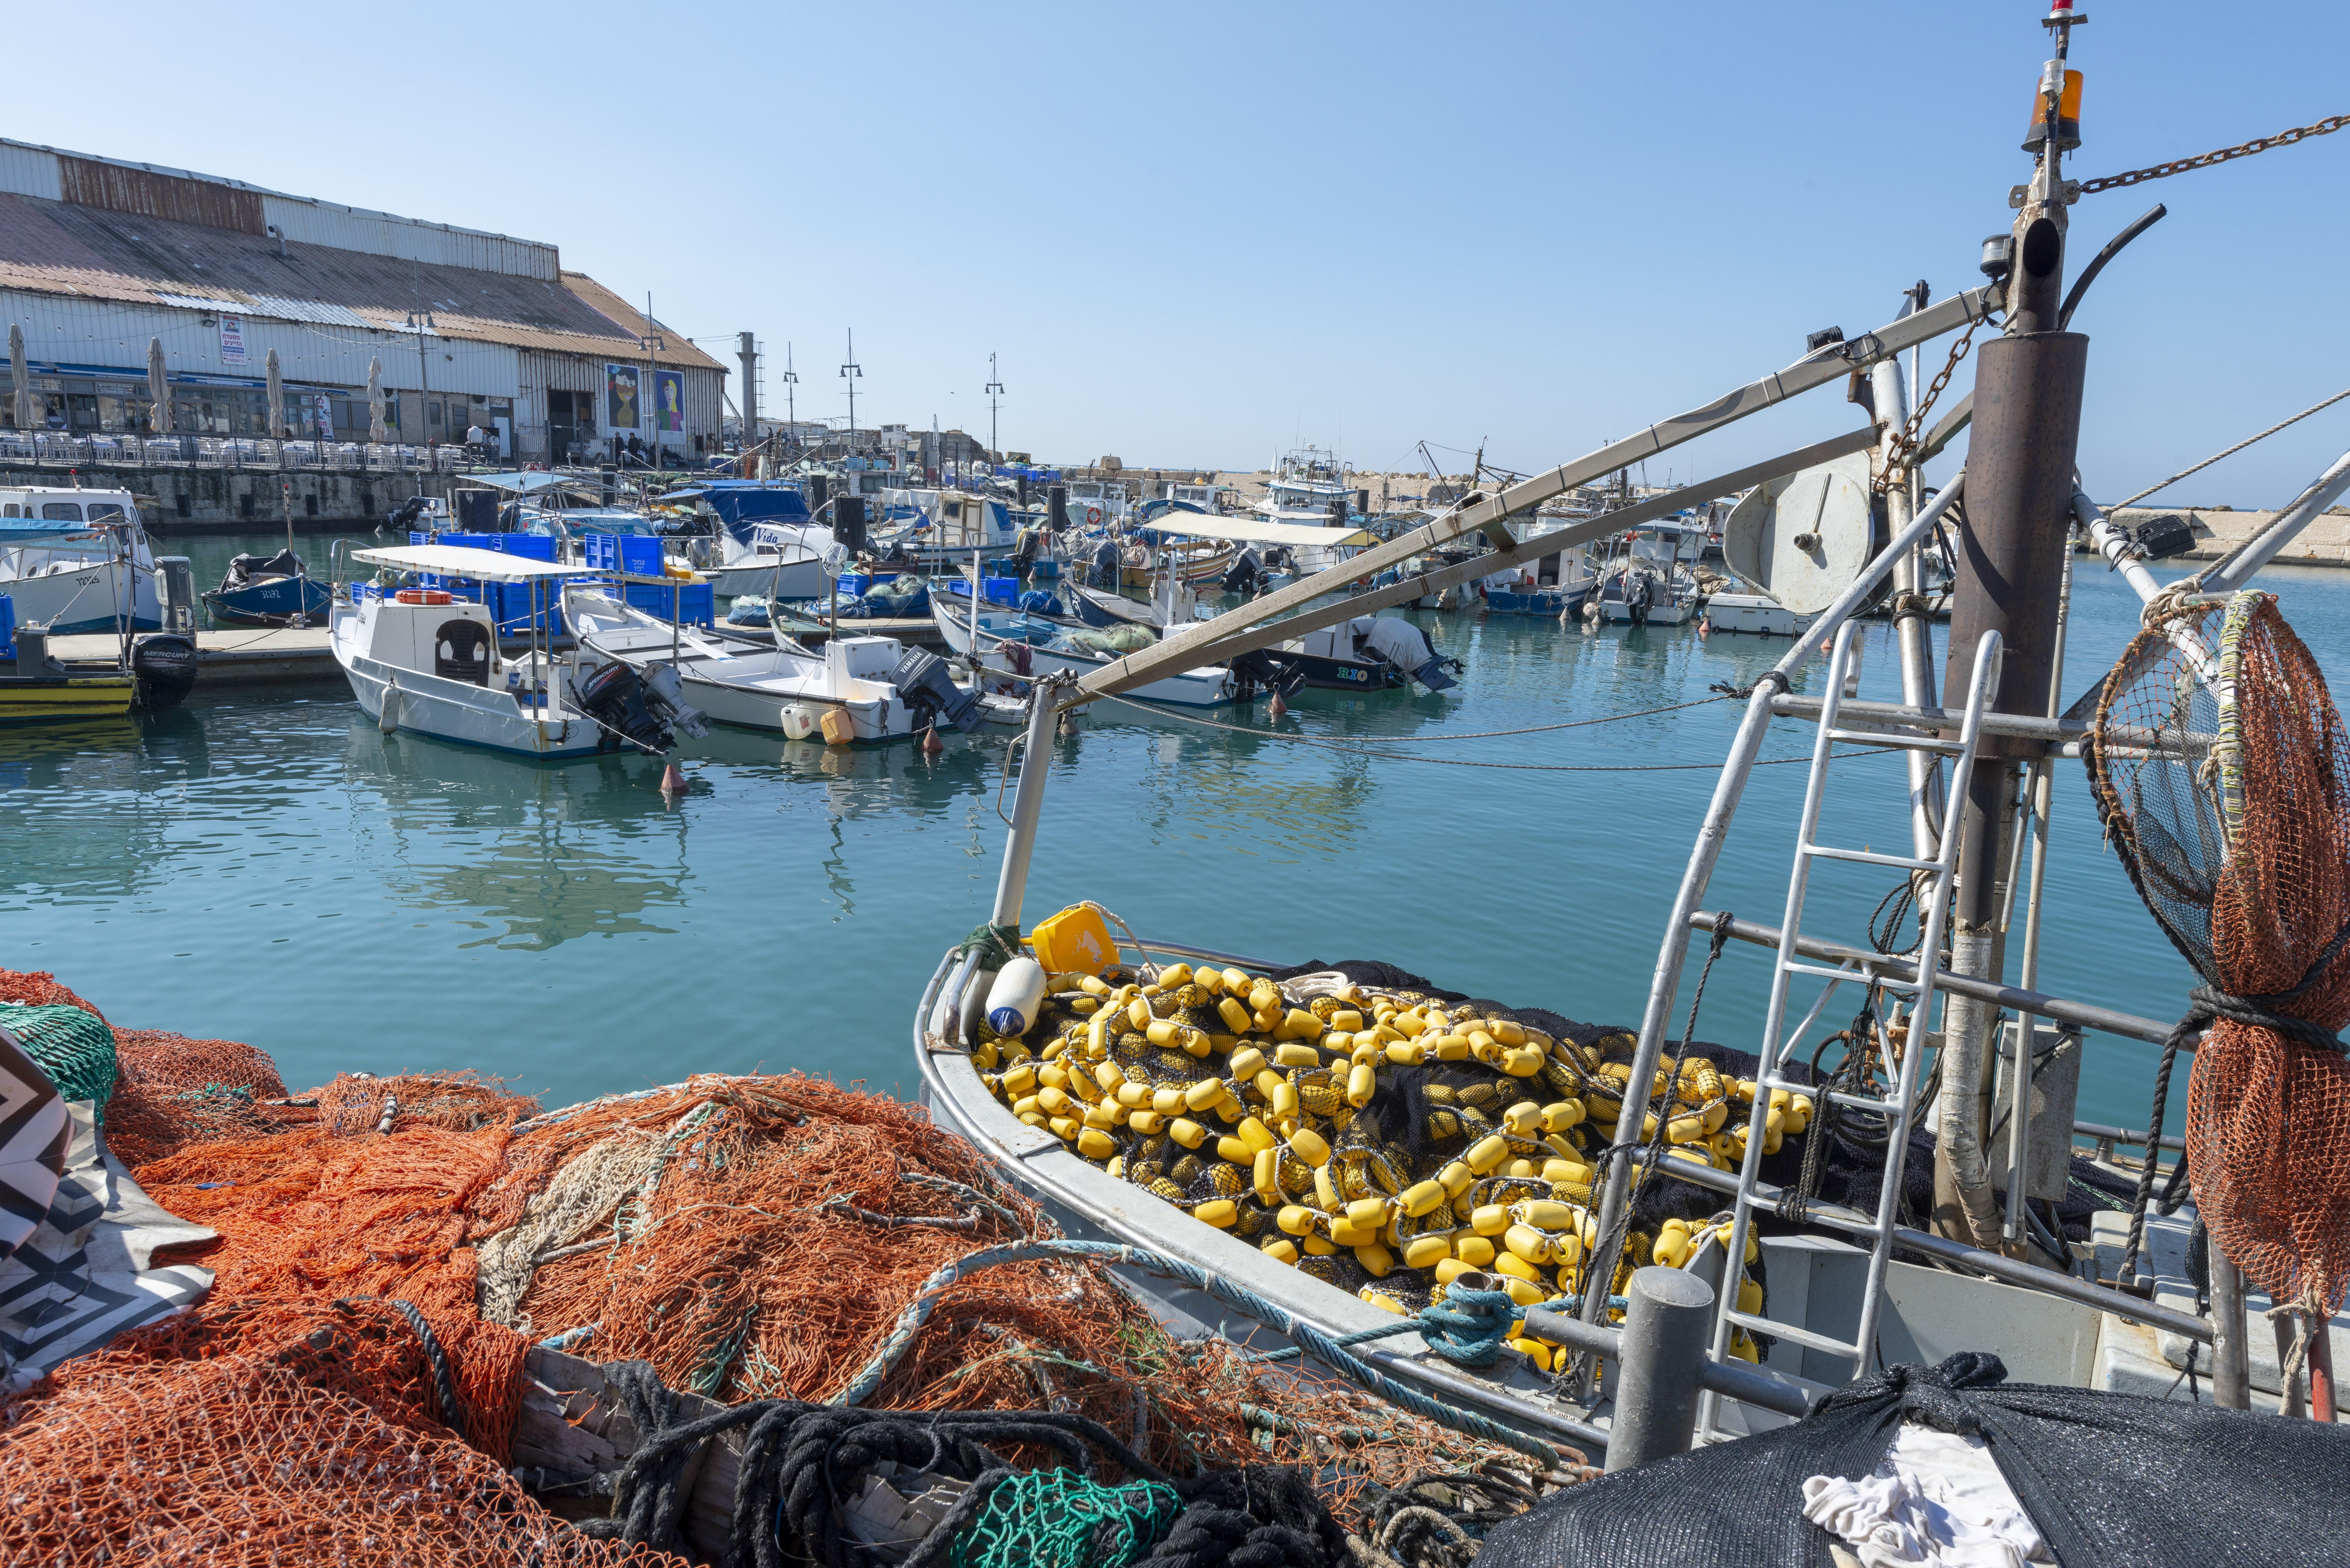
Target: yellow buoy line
[{"x": 1377, "y": 1139}]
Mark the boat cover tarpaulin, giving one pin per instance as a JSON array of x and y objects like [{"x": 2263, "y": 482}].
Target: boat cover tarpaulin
[
  {"x": 740, "y": 503},
  {"x": 457, "y": 561},
  {"x": 2111, "y": 1480},
  {"x": 1256, "y": 531}
]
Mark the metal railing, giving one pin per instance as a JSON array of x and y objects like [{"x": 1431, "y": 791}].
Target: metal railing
[{"x": 60, "y": 450}]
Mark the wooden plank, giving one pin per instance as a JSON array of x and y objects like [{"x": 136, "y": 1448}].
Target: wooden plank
[
  {"x": 1215, "y": 641},
  {"x": 1582, "y": 531}
]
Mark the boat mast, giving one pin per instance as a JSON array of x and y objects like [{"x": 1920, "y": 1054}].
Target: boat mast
[{"x": 2013, "y": 533}]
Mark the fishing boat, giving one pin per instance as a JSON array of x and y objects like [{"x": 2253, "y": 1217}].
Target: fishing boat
[
  {"x": 1651, "y": 581},
  {"x": 269, "y": 590},
  {"x": 77, "y": 561},
  {"x": 1785, "y": 1297},
  {"x": 151, "y": 671},
  {"x": 423, "y": 661},
  {"x": 880, "y": 689},
  {"x": 1369, "y": 653}
]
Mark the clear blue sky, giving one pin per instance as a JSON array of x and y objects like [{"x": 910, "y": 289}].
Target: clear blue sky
[{"x": 1195, "y": 233}]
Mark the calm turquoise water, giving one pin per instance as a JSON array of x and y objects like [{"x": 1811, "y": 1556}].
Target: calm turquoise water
[{"x": 266, "y": 867}]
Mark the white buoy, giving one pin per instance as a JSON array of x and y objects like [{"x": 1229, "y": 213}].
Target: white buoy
[
  {"x": 387, "y": 718},
  {"x": 1013, "y": 999}
]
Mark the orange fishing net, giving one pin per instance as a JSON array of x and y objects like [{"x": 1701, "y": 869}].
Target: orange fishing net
[
  {"x": 2222, "y": 772},
  {"x": 39, "y": 988},
  {"x": 736, "y": 1232},
  {"x": 239, "y": 1461}
]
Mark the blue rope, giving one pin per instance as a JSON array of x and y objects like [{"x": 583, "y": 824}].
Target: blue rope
[
  {"x": 1312, "y": 1341},
  {"x": 1470, "y": 1328}
]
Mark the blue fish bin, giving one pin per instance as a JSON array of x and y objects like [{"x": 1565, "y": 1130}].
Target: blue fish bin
[
  {"x": 7, "y": 627},
  {"x": 692, "y": 603},
  {"x": 633, "y": 554},
  {"x": 509, "y": 607},
  {"x": 996, "y": 590}
]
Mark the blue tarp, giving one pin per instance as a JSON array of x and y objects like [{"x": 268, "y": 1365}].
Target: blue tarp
[{"x": 740, "y": 503}]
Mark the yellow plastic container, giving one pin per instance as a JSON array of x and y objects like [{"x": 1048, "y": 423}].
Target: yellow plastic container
[{"x": 1076, "y": 940}]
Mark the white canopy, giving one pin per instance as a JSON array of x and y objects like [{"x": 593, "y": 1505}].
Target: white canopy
[
  {"x": 458, "y": 561},
  {"x": 1255, "y": 530}
]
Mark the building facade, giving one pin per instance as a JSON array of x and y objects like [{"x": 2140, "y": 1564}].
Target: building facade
[{"x": 100, "y": 259}]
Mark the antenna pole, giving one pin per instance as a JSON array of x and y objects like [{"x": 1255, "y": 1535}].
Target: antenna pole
[
  {"x": 849, "y": 371},
  {"x": 995, "y": 390},
  {"x": 2012, "y": 542}
]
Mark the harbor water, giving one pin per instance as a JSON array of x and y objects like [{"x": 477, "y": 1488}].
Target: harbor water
[{"x": 264, "y": 864}]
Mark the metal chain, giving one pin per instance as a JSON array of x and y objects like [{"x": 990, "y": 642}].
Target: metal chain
[
  {"x": 1905, "y": 440},
  {"x": 2258, "y": 144}
]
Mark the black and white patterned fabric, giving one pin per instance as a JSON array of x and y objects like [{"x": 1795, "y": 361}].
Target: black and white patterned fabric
[
  {"x": 84, "y": 1272},
  {"x": 33, "y": 1133}
]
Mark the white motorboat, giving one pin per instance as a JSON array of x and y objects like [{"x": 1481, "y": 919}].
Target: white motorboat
[
  {"x": 887, "y": 690},
  {"x": 422, "y": 660},
  {"x": 1756, "y": 614},
  {"x": 77, "y": 561},
  {"x": 1006, "y": 660},
  {"x": 778, "y": 561}
]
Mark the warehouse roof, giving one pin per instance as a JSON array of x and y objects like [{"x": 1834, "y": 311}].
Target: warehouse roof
[{"x": 94, "y": 252}]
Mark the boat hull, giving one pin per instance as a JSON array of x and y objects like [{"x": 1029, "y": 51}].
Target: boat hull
[
  {"x": 791, "y": 580},
  {"x": 84, "y": 600},
  {"x": 43, "y": 698},
  {"x": 278, "y": 601}
]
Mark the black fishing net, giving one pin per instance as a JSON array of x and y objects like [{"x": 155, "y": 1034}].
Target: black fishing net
[{"x": 2109, "y": 1478}]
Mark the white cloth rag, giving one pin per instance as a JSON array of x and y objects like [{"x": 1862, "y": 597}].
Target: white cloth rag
[{"x": 1936, "y": 1500}]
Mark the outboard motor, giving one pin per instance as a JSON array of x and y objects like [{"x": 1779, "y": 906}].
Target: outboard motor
[
  {"x": 407, "y": 514},
  {"x": 616, "y": 699},
  {"x": 665, "y": 696},
  {"x": 1407, "y": 648},
  {"x": 1261, "y": 670},
  {"x": 164, "y": 665},
  {"x": 1025, "y": 549},
  {"x": 929, "y": 693},
  {"x": 1245, "y": 572},
  {"x": 1104, "y": 574}
]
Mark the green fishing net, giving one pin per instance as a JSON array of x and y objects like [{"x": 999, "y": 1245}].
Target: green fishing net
[
  {"x": 74, "y": 1048},
  {"x": 1058, "y": 1518}
]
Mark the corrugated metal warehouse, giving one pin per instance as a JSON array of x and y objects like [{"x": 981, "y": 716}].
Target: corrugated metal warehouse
[{"x": 99, "y": 258}]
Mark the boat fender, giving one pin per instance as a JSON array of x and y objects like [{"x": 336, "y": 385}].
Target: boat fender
[
  {"x": 798, "y": 722},
  {"x": 388, "y": 716},
  {"x": 1013, "y": 999}
]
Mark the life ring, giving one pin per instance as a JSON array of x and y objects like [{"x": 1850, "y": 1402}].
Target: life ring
[{"x": 1093, "y": 516}]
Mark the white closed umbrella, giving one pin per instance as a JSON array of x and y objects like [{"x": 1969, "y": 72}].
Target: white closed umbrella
[
  {"x": 158, "y": 391},
  {"x": 19, "y": 378},
  {"x": 276, "y": 425},
  {"x": 375, "y": 432}
]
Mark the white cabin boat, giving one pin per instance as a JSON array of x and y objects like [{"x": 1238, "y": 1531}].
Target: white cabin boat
[
  {"x": 778, "y": 561},
  {"x": 77, "y": 561},
  {"x": 423, "y": 661}
]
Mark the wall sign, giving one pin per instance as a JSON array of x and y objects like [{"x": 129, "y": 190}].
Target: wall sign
[{"x": 232, "y": 331}]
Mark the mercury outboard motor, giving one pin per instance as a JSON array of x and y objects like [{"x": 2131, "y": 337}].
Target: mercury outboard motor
[
  {"x": 1407, "y": 648},
  {"x": 164, "y": 665},
  {"x": 929, "y": 693},
  {"x": 616, "y": 699},
  {"x": 1243, "y": 575}
]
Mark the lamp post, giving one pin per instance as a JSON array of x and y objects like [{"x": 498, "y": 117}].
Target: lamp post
[
  {"x": 994, "y": 389},
  {"x": 849, "y": 371}
]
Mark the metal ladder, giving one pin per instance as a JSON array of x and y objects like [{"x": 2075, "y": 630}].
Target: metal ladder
[{"x": 1936, "y": 878}]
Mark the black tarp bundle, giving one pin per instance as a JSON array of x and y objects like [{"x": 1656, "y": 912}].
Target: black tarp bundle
[{"x": 2113, "y": 1481}]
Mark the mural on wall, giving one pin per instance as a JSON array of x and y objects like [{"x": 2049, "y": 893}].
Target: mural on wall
[
  {"x": 669, "y": 401},
  {"x": 621, "y": 397}
]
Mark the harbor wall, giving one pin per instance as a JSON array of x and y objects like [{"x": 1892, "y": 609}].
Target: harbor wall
[
  {"x": 2217, "y": 530},
  {"x": 182, "y": 501}
]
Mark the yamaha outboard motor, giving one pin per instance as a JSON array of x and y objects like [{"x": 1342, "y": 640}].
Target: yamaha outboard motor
[
  {"x": 1261, "y": 670},
  {"x": 164, "y": 665},
  {"x": 616, "y": 699},
  {"x": 1104, "y": 574},
  {"x": 407, "y": 514},
  {"x": 929, "y": 693},
  {"x": 1407, "y": 648}
]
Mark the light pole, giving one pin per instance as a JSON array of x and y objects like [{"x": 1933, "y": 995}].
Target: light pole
[
  {"x": 994, "y": 389},
  {"x": 790, "y": 400},
  {"x": 849, "y": 371}
]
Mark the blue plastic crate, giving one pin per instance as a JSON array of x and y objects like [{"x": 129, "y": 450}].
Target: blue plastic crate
[
  {"x": 624, "y": 552},
  {"x": 997, "y": 590},
  {"x": 693, "y": 602}
]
